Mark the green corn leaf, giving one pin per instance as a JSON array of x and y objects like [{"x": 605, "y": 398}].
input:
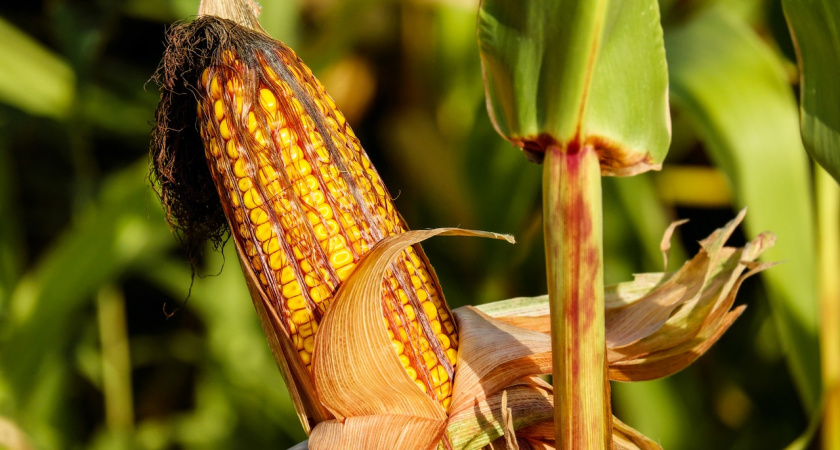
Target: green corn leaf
[
  {"x": 815, "y": 25},
  {"x": 733, "y": 88},
  {"x": 571, "y": 71}
]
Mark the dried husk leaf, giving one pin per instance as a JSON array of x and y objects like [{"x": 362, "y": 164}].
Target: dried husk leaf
[
  {"x": 665, "y": 244},
  {"x": 493, "y": 355},
  {"x": 626, "y": 438},
  {"x": 379, "y": 432},
  {"x": 243, "y": 12},
  {"x": 629, "y": 324},
  {"x": 356, "y": 371},
  {"x": 696, "y": 326},
  {"x": 507, "y": 420},
  {"x": 665, "y": 363},
  {"x": 660, "y": 323},
  {"x": 531, "y": 411},
  {"x": 482, "y": 422}
]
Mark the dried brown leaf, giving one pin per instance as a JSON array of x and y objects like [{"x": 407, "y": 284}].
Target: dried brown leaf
[
  {"x": 626, "y": 438},
  {"x": 665, "y": 244},
  {"x": 493, "y": 355},
  {"x": 483, "y": 421},
  {"x": 379, "y": 432},
  {"x": 356, "y": 371}
]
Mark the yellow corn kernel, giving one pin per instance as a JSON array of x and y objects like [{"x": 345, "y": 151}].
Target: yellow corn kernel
[
  {"x": 268, "y": 101},
  {"x": 232, "y": 152},
  {"x": 301, "y": 316},
  {"x": 345, "y": 272},
  {"x": 297, "y": 303},
  {"x": 215, "y": 88},
  {"x": 307, "y": 329},
  {"x": 224, "y": 130},
  {"x": 263, "y": 232},
  {"x": 319, "y": 294},
  {"x": 277, "y": 260},
  {"x": 259, "y": 217},
  {"x": 445, "y": 343},
  {"x": 219, "y": 110},
  {"x": 439, "y": 376},
  {"x": 452, "y": 355}
]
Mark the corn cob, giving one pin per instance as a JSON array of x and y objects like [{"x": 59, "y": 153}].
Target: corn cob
[{"x": 305, "y": 204}]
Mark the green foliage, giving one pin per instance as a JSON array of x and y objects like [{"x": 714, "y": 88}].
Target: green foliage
[
  {"x": 722, "y": 75},
  {"x": 816, "y": 29},
  {"x": 39, "y": 82}
]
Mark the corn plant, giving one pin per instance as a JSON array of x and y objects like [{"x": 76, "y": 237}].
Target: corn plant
[
  {"x": 99, "y": 349},
  {"x": 305, "y": 207}
]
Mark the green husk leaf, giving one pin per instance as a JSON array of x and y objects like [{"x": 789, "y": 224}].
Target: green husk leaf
[{"x": 483, "y": 421}]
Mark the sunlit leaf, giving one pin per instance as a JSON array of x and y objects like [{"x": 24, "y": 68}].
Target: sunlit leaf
[
  {"x": 558, "y": 80},
  {"x": 734, "y": 91},
  {"x": 656, "y": 325},
  {"x": 493, "y": 355},
  {"x": 815, "y": 25},
  {"x": 625, "y": 438}
]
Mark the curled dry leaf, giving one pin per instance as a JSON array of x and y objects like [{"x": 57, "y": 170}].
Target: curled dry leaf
[
  {"x": 493, "y": 355},
  {"x": 665, "y": 244},
  {"x": 356, "y": 371},
  {"x": 381, "y": 431},
  {"x": 626, "y": 438},
  {"x": 507, "y": 419},
  {"x": 659, "y": 323}
]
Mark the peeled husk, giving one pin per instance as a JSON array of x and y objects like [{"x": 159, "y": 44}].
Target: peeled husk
[{"x": 498, "y": 399}]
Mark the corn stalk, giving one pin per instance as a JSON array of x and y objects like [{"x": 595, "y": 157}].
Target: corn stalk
[{"x": 574, "y": 258}]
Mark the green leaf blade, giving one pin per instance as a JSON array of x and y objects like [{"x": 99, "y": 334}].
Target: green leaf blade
[
  {"x": 537, "y": 58},
  {"x": 627, "y": 112},
  {"x": 815, "y": 26},
  {"x": 731, "y": 86},
  {"x": 573, "y": 72}
]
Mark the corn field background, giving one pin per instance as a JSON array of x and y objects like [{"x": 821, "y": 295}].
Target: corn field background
[{"x": 105, "y": 343}]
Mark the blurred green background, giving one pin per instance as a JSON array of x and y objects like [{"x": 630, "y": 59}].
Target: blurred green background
[{"x": 105, "y": 343}]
